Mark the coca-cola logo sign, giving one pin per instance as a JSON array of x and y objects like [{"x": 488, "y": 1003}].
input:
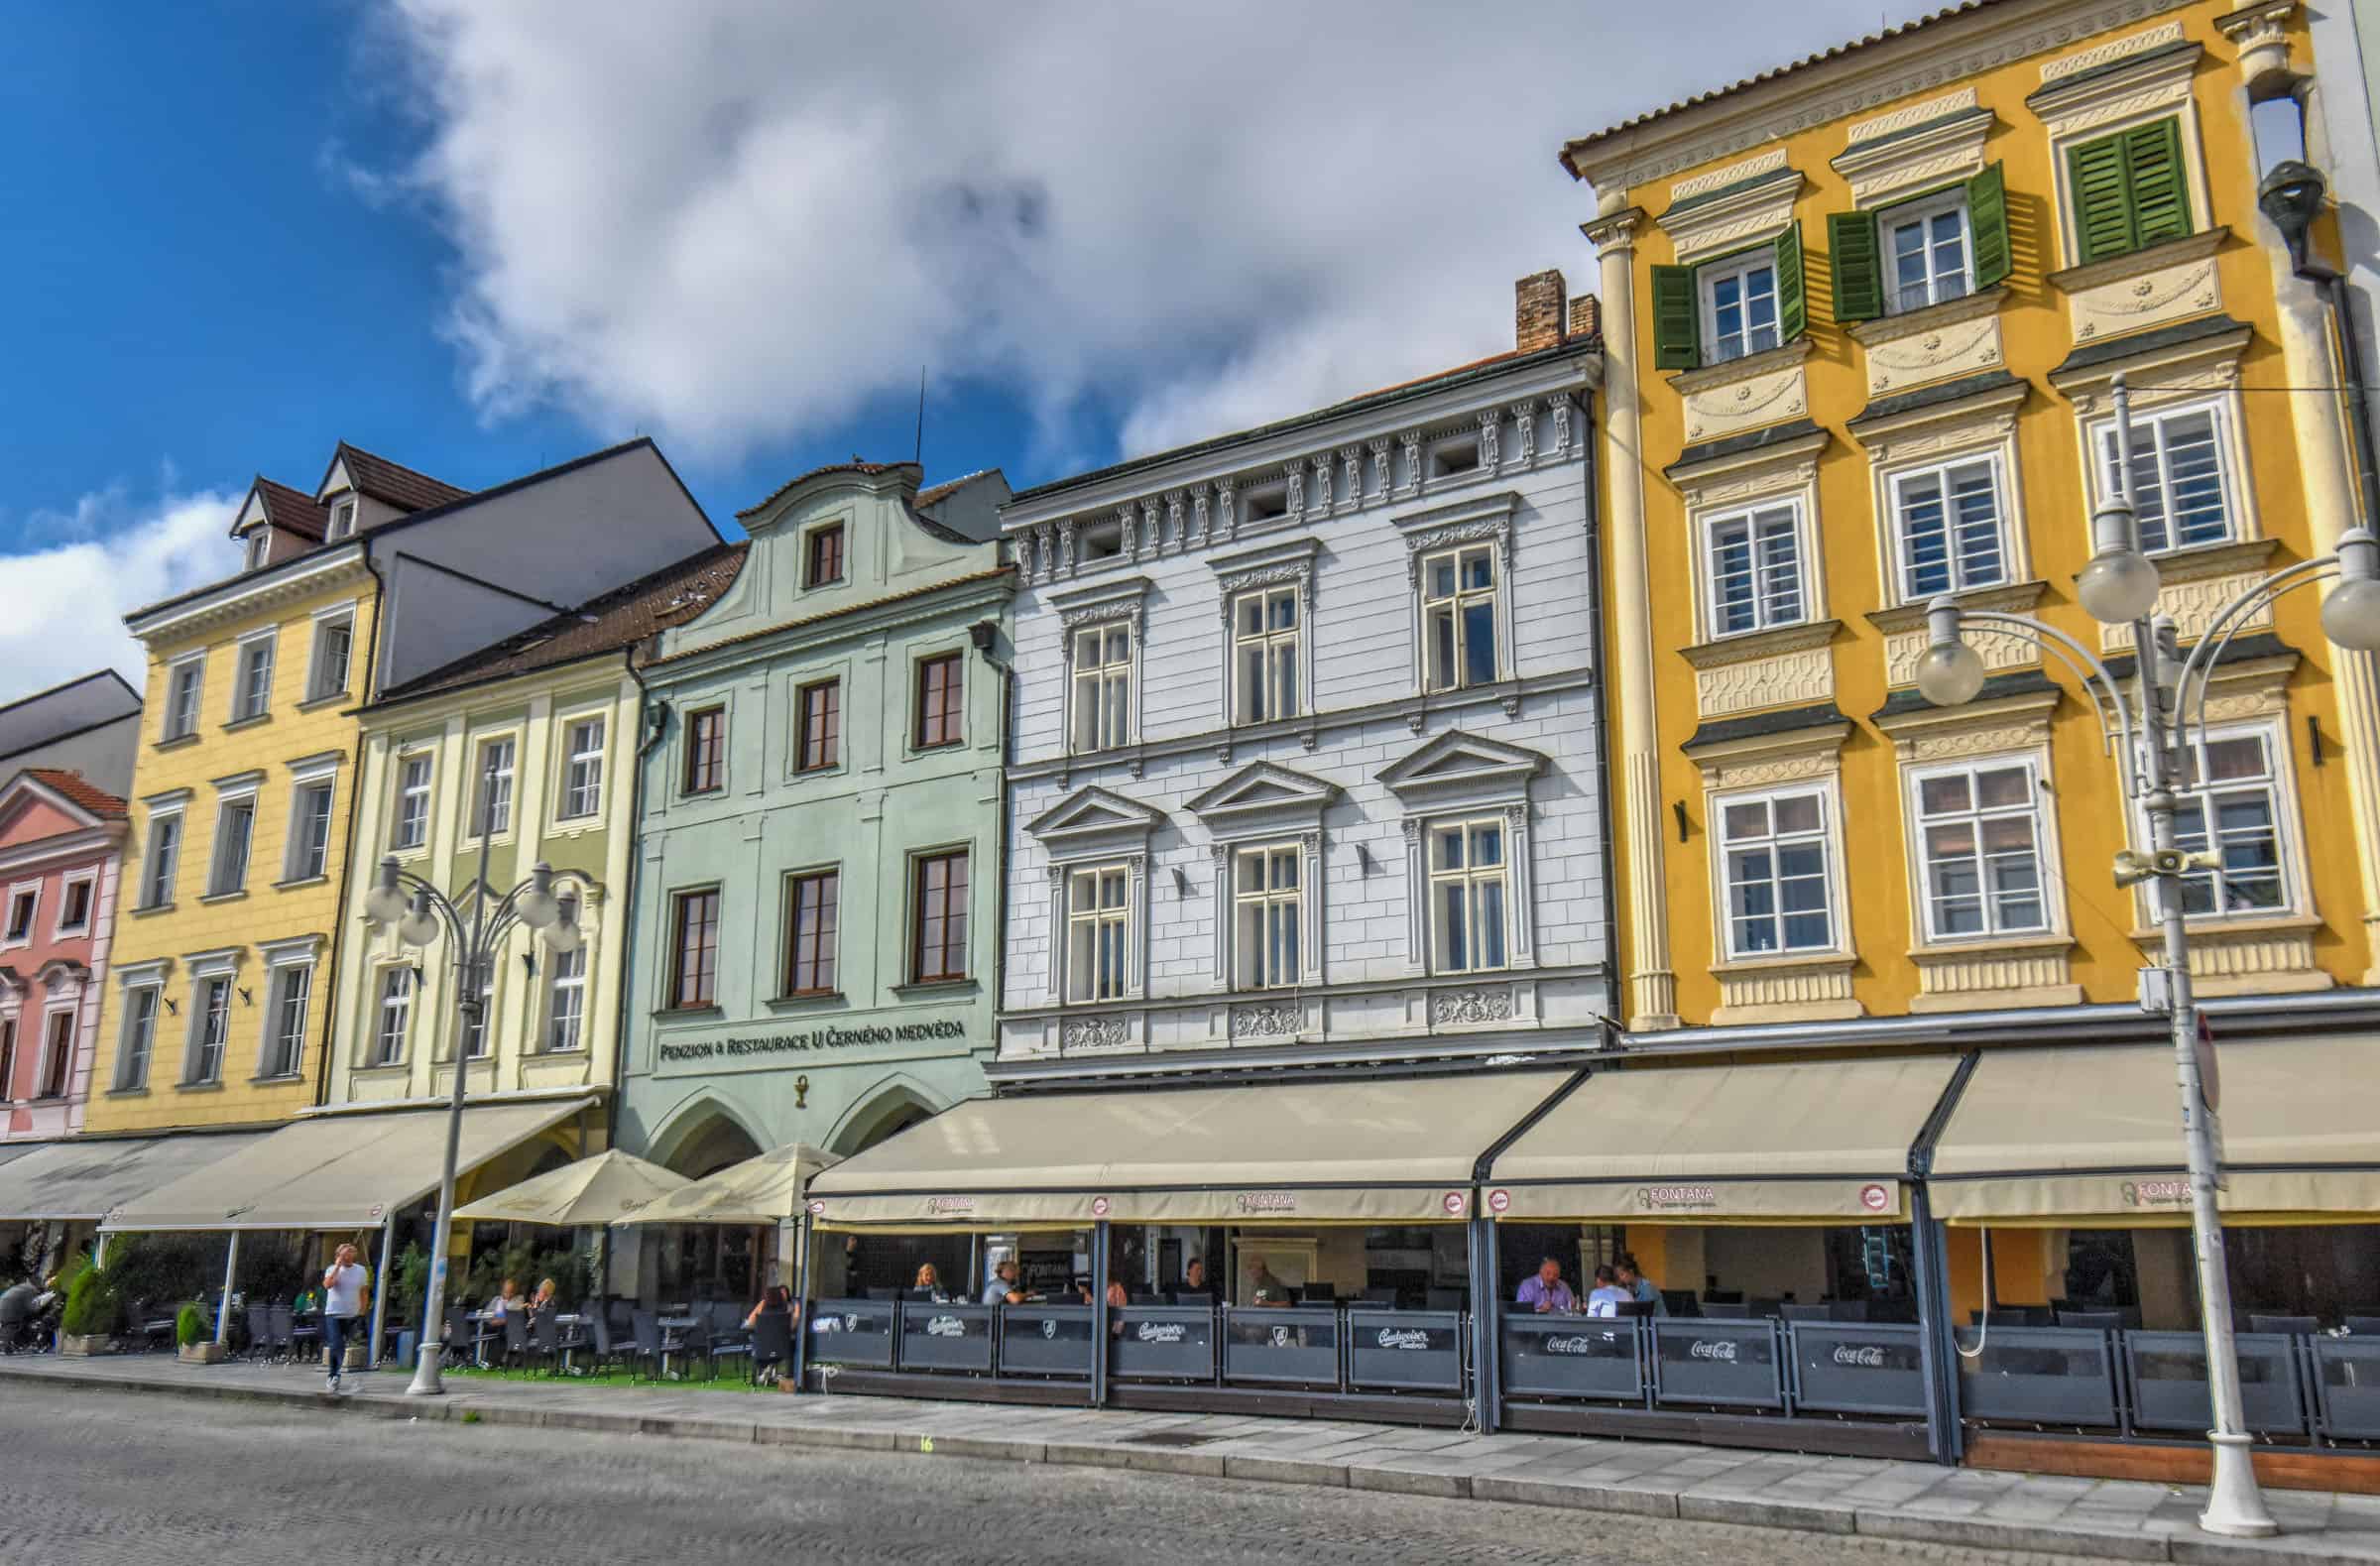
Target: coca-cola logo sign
[
  {"x": 1160, "y": 1332},
  {"x": 1671, "y": 1198},
  {"x": 1574, "y": 1342},
  {"x": 1722, "y": 1349},
  {"x": 1865, "y": 1356},
  {"x": 1403, "y": 1339}
]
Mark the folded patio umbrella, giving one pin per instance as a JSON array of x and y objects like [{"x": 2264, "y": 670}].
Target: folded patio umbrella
[
  {"x": 763, "y": 1190},
  {"x": 590, "y": 1192}
]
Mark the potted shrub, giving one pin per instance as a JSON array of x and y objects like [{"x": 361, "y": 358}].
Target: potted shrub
[
  {"x": 190, "y": 1336},
  {"x": 89, "y": 1323}
]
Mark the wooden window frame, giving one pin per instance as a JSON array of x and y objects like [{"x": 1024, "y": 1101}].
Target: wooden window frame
[
  {"x": 704, "y": 769},
  {"x": 952, "y": 718},
  {"x": 683, "y": 932},
  {"x": 920, "y": 869},
  {"x": 825, "y": 944}
]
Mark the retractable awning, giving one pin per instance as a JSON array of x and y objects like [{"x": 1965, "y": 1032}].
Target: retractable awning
[
  {"x": 769, "y": 1189},
  {"x": 335, "y": 1171},
  {"x": 1821, "y": 1142},
  {"x": 2091, "y": 1138},
  {"x": 1400, "y": 1151},
  {"x": 84, "y": 1179},
  {"x": 590, "y": 1193}
]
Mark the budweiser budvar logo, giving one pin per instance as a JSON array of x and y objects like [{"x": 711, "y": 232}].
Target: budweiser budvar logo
[
  {"x": 1267, "y": 1202},
  {"x": 1404, "y": 1338},
  {"x": 950, "y": 1204},
  {"x": 1850, "y": 1353},
  {"x": 1652, "y": 1198},
  {"x": 946, "y": 1327},
  {"x": 1160, "y": 1332},
  {"x": 2156, "y": 1193},
  {"x": 1713, "y": 1349}
]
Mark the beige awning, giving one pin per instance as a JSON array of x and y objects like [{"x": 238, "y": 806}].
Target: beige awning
[
  {"x": 1816, "y": 1142},
  {"x": 769, "y": 1189},
  {"x": 591, "y": 1192},
  {"x": 2093, "y": 1137},
  {"x": 336, "y": 1172},
  {"x": 1397, "y": 1151},
  {"x": 83, "y": 1179}
]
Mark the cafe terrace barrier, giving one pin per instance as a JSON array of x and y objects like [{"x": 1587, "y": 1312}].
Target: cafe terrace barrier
[{"x": 2293, "y": 1388}]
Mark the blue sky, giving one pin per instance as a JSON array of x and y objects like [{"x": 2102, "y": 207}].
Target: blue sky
[{"x": 478, "y": 236}]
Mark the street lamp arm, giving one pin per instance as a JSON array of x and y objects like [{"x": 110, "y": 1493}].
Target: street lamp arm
[
  {"x": 2098, "y": 683},
  {"x": 437, "y": 902},
  {"x": 2190, "y": 715}
]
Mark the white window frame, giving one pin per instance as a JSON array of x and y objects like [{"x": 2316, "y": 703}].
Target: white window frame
[
  {"x": 342, "y": 519},
  {"x": 1274, "y": 909},
  {"x": 574, "y": 758},
  {"x": 484, "y": 1036},
  {"x": 342, "y": 620},
  {"x": 1097, "y": 918},
  {"x": 66, "y": 900},
  {"x": 252, "y": 664},
  {"x": 558, "y": 980},
  {"x": 1473, "y": 880},
  {"x": 1451, "y": 607},
  {"x": 2148, "y": 426},
  {"x": 185, "y": 696},
  {"x": 136, "y": 1033},
  {"x": 2034, "y": 811},
  {"x": 506, "y": 789},
  {"x": 259, "y": 540},
  {"x": 157, "y": 880},
  {"x": 29, "y": 892},
  {"x": 279, "y": 977},
  {"x": 198, "y": 1044},
  {"x": 1905, "y": 585},
  {"x": 398, "y": 1003},
  {"x": 1270, "y": 645},
  {"x": 2279, "y": 786},
  {"x": 1892, "y": 220},
  {"x": 1827, "y": 835},
  {"x": 1116, "y": 719},
  {"x": 294, "y": 847},
  {"x": 1754, "y": 518},
  {"x": 218, "y": 885},
  {"x": 1739, "y": 269},
  {"x": 403, "y": 795}
]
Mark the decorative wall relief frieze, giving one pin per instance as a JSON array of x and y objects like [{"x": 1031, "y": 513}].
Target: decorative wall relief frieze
[
  {"x": 1227, "y": 510},
  {"x": 1561, "y": 409},
  {"x": 1798, "y": 984},
  {"x": 1979, "y": 971},
  {"x": 2193, "y": 604},
  {"x": 1093, "y": 1033},
  {"x": 1797, "y": 679},
  {"x": 2112, "y": 50},
  {"x": 1380, "y": 485},
  {"x": 1524, "y": 433},
  {"x": 1757, "y": 400},
  {"x": 2175, "y": 293},
  {"x": 1934, "y": 353},
  {"x": 1273, "y": 1021},
  {"x": 1950, "y": 745},
  {"x": 1153, "y": 541},
  {"x": 1351, "y": 483},
  {"x": 1464, "y": 1008},
  {"x": 1491, "y": 423},
  {"x": 1320, "y": 497},
  {"x": 1295, "y": 476},
  {"x": 1760, "y": 772},
  {"x": 1999, "y": 651},
  {"x": 1901, "y": 119},
  {"x": 1717, "y": 178},
  {"x": 1202, "y": 515},
  {"x": 1410, "y": 439}
]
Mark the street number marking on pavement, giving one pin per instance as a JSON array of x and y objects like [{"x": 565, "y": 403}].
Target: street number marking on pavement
[{"x": 925, "y": 1443}]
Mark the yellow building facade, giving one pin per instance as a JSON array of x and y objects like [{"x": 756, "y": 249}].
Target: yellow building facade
[{"x": 1864, "y": 319}]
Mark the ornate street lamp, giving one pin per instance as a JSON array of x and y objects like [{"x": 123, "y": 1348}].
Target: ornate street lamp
[
  {"x": 2149, "y": 739},
  {"x": 421, "y": 913}
]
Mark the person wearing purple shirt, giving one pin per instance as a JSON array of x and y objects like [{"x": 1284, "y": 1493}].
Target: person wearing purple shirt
[{"x": 1546, "y": 1294}]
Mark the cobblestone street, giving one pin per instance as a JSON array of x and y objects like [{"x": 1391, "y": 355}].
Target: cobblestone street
[{"x": 115, "y": 1480}]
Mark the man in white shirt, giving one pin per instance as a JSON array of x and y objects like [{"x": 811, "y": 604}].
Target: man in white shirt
[
  {"x": 343, "y": 1283},
  {"x": 1605, "y": 1299}
]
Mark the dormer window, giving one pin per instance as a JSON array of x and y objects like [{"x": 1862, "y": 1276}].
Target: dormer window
[
  {"x": 342, "y": 519},
  {"x": 259, "y": 542}
]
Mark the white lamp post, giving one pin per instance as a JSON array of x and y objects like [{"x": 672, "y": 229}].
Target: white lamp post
[
  {"x": 420, "y": 911},
  {"x": 2119, "y": 586}
]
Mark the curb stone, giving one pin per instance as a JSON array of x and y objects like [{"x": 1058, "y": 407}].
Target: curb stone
[{"x": 1515, "y": 1487}]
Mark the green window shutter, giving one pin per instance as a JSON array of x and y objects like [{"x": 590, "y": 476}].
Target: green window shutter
[
  {"x": 1793, "y": 308},
  {"x": 1987, "y": 220},
  {"x": 2153, "y": 169},
  {"x": 2102, "y": 198},
  {"x": 1676, "y": 333},
  {"x": 1859, "y": 270}
]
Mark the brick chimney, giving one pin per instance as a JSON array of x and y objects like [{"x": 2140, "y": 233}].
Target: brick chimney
[
  {"x": 1537, "y": 312},
  {"x": 1586, "y": 317}
]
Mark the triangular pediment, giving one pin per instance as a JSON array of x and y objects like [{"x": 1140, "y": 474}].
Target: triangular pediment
[
  {"x": 1456, "y": 762},
  {"x": 31, "y": 811},
  {"x": 1093, "y": 811},
  {"x": 1261, "y": 786}
]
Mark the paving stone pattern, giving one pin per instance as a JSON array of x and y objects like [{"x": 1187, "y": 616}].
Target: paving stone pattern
[{"x": 1660, "y": 1485}]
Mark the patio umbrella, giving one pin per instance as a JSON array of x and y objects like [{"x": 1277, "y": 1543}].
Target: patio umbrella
[
  {"x": 589, "y": 1193},
  {"x": 763, "y": 1190}
]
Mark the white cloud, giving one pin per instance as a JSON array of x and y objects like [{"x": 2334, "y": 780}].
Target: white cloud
[
  {"x": 731, "y": 221},
  {"x": 68, "y": 599}
]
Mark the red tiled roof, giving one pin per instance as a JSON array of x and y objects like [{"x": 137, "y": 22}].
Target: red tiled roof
[
  {"x": 75, "y": 788},
  {"x": 393, "y": 482},
  {"x": 855, "y": 465},
  {"x": 293, "y": 511},
  {"x": 1571, "y": 149},
  {"x": 619, "y": 618},
  {"x": 949, "y": 487}
]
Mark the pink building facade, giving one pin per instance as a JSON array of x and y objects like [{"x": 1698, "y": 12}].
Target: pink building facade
[{"x": 61, "y": 843}]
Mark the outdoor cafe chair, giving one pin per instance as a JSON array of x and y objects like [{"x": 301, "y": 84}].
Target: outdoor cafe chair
[
  {"x": 646, "y": 1325},
  {"x": 305, "y": 1338},
  {"x": 771, "y": 1344},
  {"x": 691, "y": 1344},
  {"x": 608, "y": 1351},
  {"x": 545, "y": 1340},
  {"x": 260, "y": 1335},
  {"x": 277, "y": 1323},
  {"x": 516, "y": 1338}
]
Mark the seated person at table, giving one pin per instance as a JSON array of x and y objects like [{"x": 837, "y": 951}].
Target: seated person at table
[
  {"x": 1001, "y": 1288},
  {"x": 542, "y": 1299},
  {"x": 16, "y": 1310},
  {"x": 1605, "y": 1299},
  {"x": 508, "y": 1301},
  {"x": 1545, "y": 1292},
  {"x": 1261, "y": 1283},
  {"x": 1641, "y": 1288},
  {"x": 929, "y": 1284},
  {"x": 1193, "y": 1278},
  {"x": 772, "y": 1298}
]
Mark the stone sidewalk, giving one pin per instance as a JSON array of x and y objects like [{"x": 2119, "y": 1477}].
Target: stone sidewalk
[{"x": 2103, "y": 1520}]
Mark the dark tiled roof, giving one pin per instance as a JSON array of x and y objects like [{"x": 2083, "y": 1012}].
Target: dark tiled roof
[
  {"x": 1750, "y": 440},
  {"x": 2107, "y": 350},
  {"x": 1819, "y": 716},
  {"x": 2016, "y": 682},
  {"x": 393, "y": 482},
  {"x": 293, "y": 511},
  {"x": 621, "y": 618},
  {"x": 1571, "y": 150},
  {"x": 855, "y": 465},
  {"x": 1900, "y": 403},
  {"x": 66, "y": 709},
  {"x": 950, "y": 487},
  {"x": 784, "y": 626},
  {"x": 98, "y": 801}
]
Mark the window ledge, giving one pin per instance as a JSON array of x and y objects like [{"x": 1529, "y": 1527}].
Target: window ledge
[
  {"x": 1984, "y": 946},
  {"x": 199, "y": 1087},
  {"x": 927, "y": 989},
  {"x": 302, "y": 880},
  {"x": 2008, "y": 598},
  {"x": 278, "y": 1079},
  {"x": 213, "y": 898},
  {"x": 1932, "y": 317},
  {"x": 807, "y": 1001},
  {"x": 2115, "y": 269},
  {"x": 154, "y": 908},
  {"x": 2211, "y": 926},
  {"x": 2193, "y": 562},
  {"x": 327, "y": 699},
  {"x": 134, "y": 1092},
  {"x": 257, "y": 721},
  {"x": 690, "y": 1014},
  {"x": 1728, "y": 371},
  {"x": 177, "y": 742},
  {"x": 1750, "y": 645},
  {"x": 1786, "y": 962},
  {"x": 388, "y": 1068}
]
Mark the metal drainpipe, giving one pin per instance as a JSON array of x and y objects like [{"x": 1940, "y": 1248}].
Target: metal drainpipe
[
  {"x": 2359, "y": 413},
  {"x": 999, "y": 889},
  {"x": 646, "y": 708}
]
